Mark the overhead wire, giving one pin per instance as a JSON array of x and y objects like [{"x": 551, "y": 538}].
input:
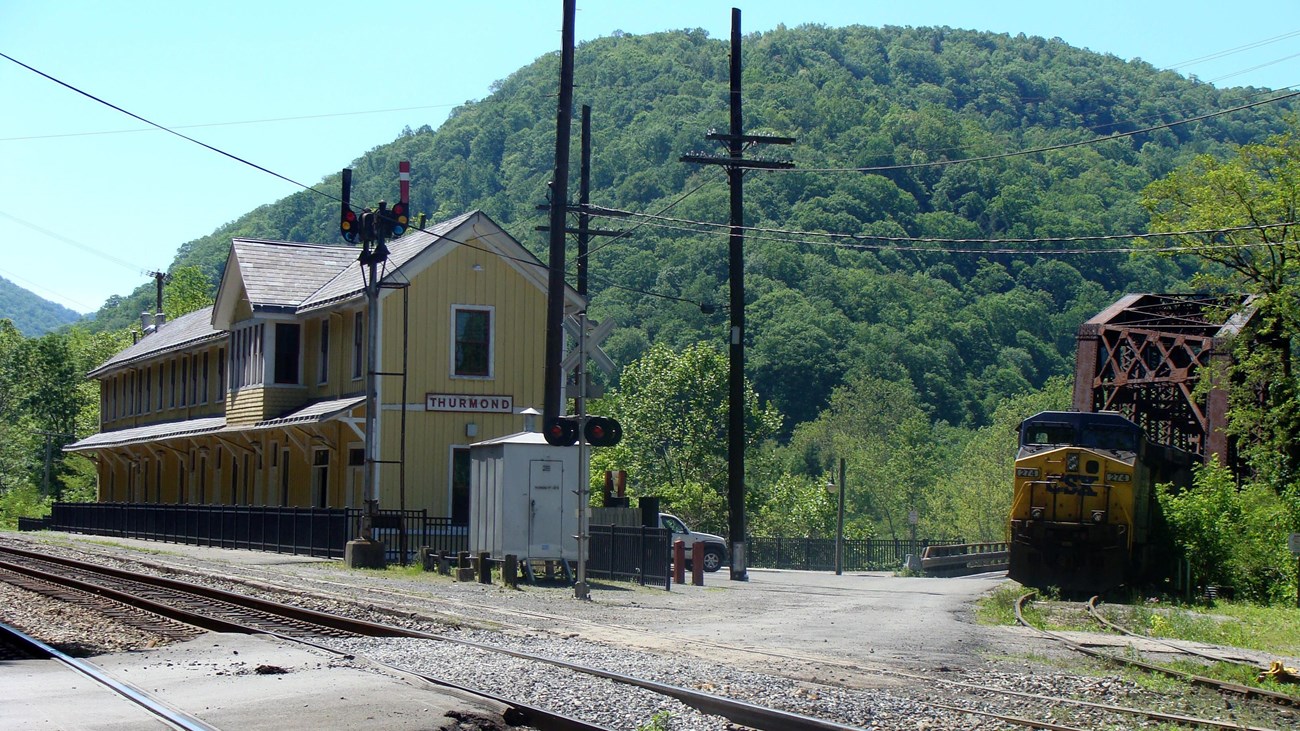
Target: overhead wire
[
  {"x": 151, "y": 123},
  {"x": 906, "y": 243},
  {"x": 693, "y": 190},
  {"x": 1246, "y": 47},
  {"x": 225, "y": 154},
  {"x": 1037, "y": 150},
  {"x": 1254, "y": 68},
  {"x": 72, "y": 242},
  {"x": 34, "y": 286},
  {"x": 226, "y": 124}
]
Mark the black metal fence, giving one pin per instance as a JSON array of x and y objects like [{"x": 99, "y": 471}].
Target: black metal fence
[
  {"x": 629, "y": 553},
  {"x": 319, "y": 532},
  {"x": 818, "y": 554},
  {"x": 405, "y": 532}
]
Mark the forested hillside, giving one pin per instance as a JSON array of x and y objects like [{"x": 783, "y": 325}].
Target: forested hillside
[
  {"x": 30, "y": 313},
  {"x": 960, "y": 329}
]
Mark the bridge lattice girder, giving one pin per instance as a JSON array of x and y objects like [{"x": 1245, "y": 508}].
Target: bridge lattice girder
[{"x": 1144, "y": 357}]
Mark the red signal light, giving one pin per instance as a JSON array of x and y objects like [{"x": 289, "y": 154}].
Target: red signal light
[{"x": 561, "y": 431}]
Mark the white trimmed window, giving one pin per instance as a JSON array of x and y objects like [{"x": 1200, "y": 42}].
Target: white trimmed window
[{"x": 471, "y": 347}]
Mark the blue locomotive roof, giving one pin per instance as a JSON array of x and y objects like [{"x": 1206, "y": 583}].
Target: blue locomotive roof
[{"x": 1098, "y": 430}]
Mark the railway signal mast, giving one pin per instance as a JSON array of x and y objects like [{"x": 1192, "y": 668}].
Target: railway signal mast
[{"x": 371, "y": 228}]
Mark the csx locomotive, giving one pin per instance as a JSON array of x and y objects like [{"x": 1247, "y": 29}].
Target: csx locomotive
[{"x": 1084, "y": 516}]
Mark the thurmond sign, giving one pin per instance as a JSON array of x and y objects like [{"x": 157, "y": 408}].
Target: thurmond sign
[{"x": 476, "y": 404}]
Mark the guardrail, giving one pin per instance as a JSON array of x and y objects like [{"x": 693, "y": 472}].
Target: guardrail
[{"x": 965, "y": 558}]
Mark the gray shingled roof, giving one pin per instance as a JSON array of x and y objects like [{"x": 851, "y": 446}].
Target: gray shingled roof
[
  {"x": 282, "y": 274},
  {"x": 348, "y": 283},
  {"x": 184, "y": 331}
]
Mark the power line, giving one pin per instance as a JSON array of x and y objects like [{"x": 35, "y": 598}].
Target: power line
[
  {"x": 1049, "y": 148},
  {"x": 32, "y": 285},
  {"x": 84, "y": 247},
  {"x": 659, "y": 212},
  {"x": 905, "y": 243},
  {"x": 1254, "y": 68},
  {"x": 228, "y": 124},
  {"x": 133, "y": 115},
  {"x": 1230, "y": 51}
]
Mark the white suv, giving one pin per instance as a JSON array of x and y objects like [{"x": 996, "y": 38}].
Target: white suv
[{"x": 715, "y": 548}]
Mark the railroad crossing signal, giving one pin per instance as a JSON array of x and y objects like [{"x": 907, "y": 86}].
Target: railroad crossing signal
[
  {"x": 600, "y": 431},
  {"x": 596, "y": 334}
]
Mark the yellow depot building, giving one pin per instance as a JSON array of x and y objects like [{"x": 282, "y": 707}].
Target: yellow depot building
[{"x": 259, "y": 400}]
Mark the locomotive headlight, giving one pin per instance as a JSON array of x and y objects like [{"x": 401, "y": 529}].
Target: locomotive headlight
[
  {"x": 1036, "y": 513},
  {"x": 1098, "y": 516},
  {"x": 1072, "y": 463},
  {"x": 1118, "y": 477},
  {"x": 1027, "y": 472}
]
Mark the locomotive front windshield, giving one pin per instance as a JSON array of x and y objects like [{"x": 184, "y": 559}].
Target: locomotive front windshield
[
  {"x": 1105, "y": 437},
  {"x": 1048, "y": 433},
  {"x": 1081, "y": 430}
]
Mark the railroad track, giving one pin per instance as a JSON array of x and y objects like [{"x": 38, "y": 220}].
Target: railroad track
[
  {"x": 224, "y": 611},
  {"x": 1235, "y": 689},
  {"x": 1095, "y": 613},
  {"x": 759, "y": 717},
  {"x": 17, "y": 645}
]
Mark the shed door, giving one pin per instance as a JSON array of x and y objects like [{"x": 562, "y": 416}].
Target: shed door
[{"x": 546, "y": 502}]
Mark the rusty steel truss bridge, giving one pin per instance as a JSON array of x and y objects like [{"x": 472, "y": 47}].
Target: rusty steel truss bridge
[{"x": 1146, "y": 357}]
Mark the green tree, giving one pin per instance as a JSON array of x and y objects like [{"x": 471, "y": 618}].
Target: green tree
[
  {"x": 673, "y": 409},
  {"x": 974, "y": 497},
  {"x": 187, "y": 289},
  {"x": 796, "y": 506},
  {"x": 891, "y": 451},
  {"x": 1253, "y": 192},
  {"x": 1234, "y": 536}
]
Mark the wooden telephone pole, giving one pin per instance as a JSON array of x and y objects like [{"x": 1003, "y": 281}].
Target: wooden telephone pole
[{"x": 736, "y": 165}]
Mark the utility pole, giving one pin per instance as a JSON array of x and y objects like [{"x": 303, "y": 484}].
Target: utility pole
[
  {"x": 50, "y": 436},
  {"x": 159, "y": 277},
  {"x": 553, "y": 407},
  {"x": 736, "y": 165}
]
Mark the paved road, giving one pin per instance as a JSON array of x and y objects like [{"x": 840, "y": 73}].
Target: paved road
[
  {"x": 867, "y": 617},
  {"x": 872, "y": 618}
]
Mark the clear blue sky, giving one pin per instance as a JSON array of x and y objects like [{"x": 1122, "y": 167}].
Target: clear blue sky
[{"x": 284, "y": 84}]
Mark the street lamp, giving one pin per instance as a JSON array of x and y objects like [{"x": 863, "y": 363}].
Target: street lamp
[{"x": 839, "y": 523}]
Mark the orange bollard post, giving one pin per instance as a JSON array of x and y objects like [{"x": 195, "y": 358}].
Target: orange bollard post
[
  {"x": 679, "y": 562},
  {"x": 697, "y": 563}
]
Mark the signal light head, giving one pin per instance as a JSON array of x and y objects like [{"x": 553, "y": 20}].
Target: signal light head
[
  {"x": 562, "y": 431},
  {"x": 398, "y": 219},
  {"x": 348, "y": 227},
  {"x": 603, "y": 431}
]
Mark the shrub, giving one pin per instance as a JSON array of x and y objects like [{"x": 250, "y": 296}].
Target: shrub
[{"x": 1233, "y": 536}]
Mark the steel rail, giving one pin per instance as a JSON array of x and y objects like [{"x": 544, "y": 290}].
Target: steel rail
[
  {"x": 309, "y": 616},
  {"x": 167, "y": 714},
  {"x": 1123, "y": 710},
  {"x": 518, "y": 713},
  {"x": 704, "y": 708},
  {"x": 1096, "y": 614},
  {"x": 1219, "y": 685},
  {"x": 740, "y": 712}
]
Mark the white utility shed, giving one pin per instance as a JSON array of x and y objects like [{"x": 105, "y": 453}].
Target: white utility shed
[{"x": 523, "y": 498}]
